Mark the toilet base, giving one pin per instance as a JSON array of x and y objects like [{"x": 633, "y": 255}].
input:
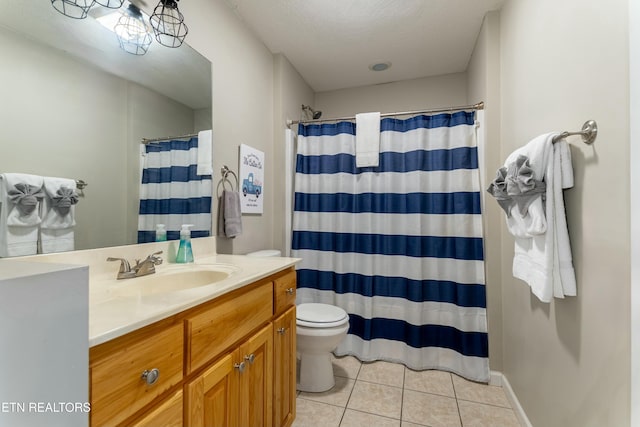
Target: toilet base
[{"x": 316, "y": 373}]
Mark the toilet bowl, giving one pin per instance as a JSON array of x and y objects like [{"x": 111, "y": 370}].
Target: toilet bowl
[{"x": 319, "y": 330}]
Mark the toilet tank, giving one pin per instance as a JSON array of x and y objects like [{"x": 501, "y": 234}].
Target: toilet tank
[{"x": 265, "y": 253}]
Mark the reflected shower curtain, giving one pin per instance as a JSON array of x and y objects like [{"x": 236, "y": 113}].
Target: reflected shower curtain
[
  {"x": 171, "y": 192},
  {"x": 398, "y": 246}
]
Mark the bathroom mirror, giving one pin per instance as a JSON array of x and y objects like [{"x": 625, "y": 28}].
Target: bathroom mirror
[{"x": 75, "y": 105}]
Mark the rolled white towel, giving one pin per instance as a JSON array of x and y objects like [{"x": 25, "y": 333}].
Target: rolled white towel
[{"x": 20, "y": 198}]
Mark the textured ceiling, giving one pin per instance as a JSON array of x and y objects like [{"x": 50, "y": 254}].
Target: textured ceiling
[{"x": 333, "y": 42}]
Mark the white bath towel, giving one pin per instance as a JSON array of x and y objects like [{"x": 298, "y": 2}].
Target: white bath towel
[
  {"x": 205, "y": 159},
  {"x": 19, "y": 228},
  {"x": 58, "y": 215},
  {"x": 367, "y": 139},
  {"x": 544, "y": 261}
]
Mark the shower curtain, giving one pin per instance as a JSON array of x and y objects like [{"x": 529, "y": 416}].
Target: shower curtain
[
  {"x": 398, "y": 246},
  {"x": 171, "y": 192}
]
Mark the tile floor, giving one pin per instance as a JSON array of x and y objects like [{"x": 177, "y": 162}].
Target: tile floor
[{"x": 382, "y": 394}]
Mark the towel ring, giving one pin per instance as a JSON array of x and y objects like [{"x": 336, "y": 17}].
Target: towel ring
[{"x": 225, "y": 171}]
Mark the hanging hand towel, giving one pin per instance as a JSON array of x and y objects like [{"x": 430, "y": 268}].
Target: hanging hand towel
[
  {"x": 205, "y": 159},
  {"x": 232, "y": 214},
  {"x": 58, "y": 219},
  {"x": 20, "y": 197},
  {"x": 367, "y": 139}
]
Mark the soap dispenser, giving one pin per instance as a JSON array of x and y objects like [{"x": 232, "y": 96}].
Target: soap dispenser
[
  {"x": 185, "y": 253},
  {"x": 161, "y": 233}
]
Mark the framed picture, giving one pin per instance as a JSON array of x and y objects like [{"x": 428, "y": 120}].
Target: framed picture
[{"x": 251, "y": 179}]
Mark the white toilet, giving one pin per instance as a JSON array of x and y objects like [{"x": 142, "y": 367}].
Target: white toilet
[{"x": 320, "y": 328}]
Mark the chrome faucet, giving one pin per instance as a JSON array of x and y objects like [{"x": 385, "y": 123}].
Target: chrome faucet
[{"x": 148, "y": 266}]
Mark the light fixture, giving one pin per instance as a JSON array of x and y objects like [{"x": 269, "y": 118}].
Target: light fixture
[
  {"x": 380, "y": 66},
  {"x": 111, "y": 4},
  {"x": 77, "y": 9},
  {"x": 133, "y": 33},
  {"x": 168, "y": 24}
]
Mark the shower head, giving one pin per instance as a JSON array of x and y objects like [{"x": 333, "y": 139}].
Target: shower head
[{"x": 311, "y": 113}]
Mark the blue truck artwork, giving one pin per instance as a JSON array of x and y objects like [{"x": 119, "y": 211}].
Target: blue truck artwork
[{"x": 249, "y": 187}]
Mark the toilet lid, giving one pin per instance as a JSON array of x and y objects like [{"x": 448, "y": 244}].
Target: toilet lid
[{"x": 320, "y": 315}]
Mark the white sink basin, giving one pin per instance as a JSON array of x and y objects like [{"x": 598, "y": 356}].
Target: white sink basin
[{"x": 173, "y": 279}]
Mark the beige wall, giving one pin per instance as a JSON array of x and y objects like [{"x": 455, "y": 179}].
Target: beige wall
[
  {"x": 291, "y": 91},
  {"x": 561, "y": 64},
  {"x": 243, "y": 97},
  {"x": 416, "y": 94},
  {"x": 483, "y": 81}
]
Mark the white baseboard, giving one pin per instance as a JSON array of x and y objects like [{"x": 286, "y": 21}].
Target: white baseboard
[{"x": 498, "y": 379}]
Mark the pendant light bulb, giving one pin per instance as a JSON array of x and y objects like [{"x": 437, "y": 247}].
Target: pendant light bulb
[
  {"x": 133, "y": 33},
  {"x": 168, "y": 24}
]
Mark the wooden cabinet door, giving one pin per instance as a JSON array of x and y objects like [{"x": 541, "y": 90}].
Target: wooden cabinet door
[
  {"x": 284, "y": 369},
  {"x": 212, "y": 398},
  {"x": 256, "y": 381},
  {"x": 167, "y": 414}
]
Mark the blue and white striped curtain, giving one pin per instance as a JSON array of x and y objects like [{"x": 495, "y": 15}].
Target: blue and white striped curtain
[
  {"x": 171, "y": 192},
  {"x": 398, "y": 246}
]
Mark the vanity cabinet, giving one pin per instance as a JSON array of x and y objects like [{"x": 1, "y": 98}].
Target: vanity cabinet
[
  {"x": 228, "y": 362},
  {"x": 236, "y": 390}
]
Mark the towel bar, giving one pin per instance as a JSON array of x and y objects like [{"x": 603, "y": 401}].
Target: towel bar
[{"x": 589, "y": 133}]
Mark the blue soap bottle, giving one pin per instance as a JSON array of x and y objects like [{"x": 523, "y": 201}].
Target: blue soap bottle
[{"x": 185, "y": 253}]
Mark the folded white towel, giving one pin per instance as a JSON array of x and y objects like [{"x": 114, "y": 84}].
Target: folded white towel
[
  {"x": 538, "y": 151},
  {"x": 544, "y": 261},
  {"x": 19, "y": 227},
  {"x": 58, "y": 218},
  {"x": 367, "y": 139},
  {"x": 205, "y": 159}
]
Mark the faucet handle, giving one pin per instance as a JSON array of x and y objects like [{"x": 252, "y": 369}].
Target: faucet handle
[
  {"x": 125, "y": 267},
  {"x": 156, "y": 260}
]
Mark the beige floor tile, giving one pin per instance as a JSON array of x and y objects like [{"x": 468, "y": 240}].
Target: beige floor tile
[
  {"x": 382, "y": 373},
  {"x": 338, "y": 395},
  {"x": 481, "y": 393},
  {"x": 479, "y": 415},
  {"x": 362, "y": 419},
  {"x": 346, "y": 366},
  {"x": 314, "y": 414},
  {"x": 430, "y": 409},
  {"x": 408, "y": 424},
  {"x": 431, "y": 381},
  {"x": 376, "y": 399}
]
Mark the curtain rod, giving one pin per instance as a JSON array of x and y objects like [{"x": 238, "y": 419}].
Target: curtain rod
[
  {"x": 167, "y": 138},
  {"x": 478, "y": 106}
]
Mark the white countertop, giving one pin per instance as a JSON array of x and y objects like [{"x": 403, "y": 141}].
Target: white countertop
[{"x": 112, "y": 314}]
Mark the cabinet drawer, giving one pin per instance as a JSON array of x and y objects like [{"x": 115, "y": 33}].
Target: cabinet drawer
[
  {"x": 167, "y": 414},
  {"x": 118, "y": 388},
  {"x": 285, "y": 291},
  {"x": 225, "y": 322}
]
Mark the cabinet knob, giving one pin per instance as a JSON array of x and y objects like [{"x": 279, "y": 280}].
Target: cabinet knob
[
  {"x": 239, "y": 366},
  {"x": 281, "y": 330},
  {"x": 251, "y": 358},
  {"x": 290, "y": 291},
  {"x": 151, "y": 377}
]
